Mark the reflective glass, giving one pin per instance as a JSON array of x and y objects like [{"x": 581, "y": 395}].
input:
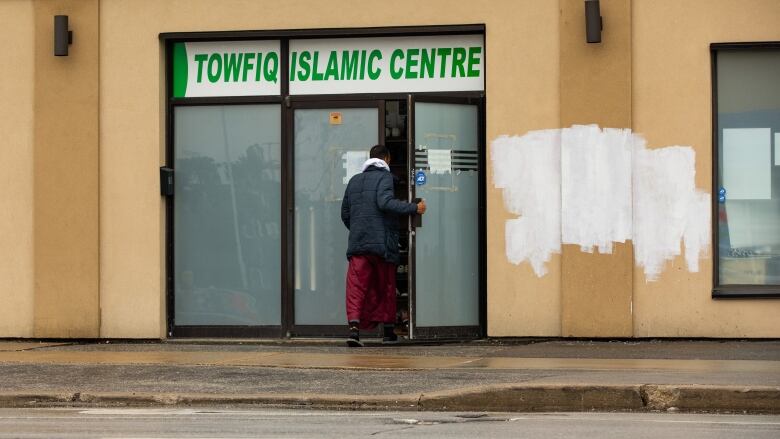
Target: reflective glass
[
  {"x": 748, "y": 187},
  {"x": 330, "y": 146},
  {"x": 447, "y": 246},
  {"x": 227, "y": 231}
]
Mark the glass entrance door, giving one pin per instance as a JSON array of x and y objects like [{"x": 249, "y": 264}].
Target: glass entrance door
[
  {"x": 330, "y": 143},
  {"x": 446, "y": 169}
]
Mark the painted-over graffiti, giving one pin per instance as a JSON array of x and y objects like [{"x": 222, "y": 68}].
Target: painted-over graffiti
[{"x": 593, "y": 187}]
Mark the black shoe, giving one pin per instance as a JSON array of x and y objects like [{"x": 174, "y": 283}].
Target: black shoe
[
  {"x": 390, "y": 339},
  {"x": 353, "y": 340}
]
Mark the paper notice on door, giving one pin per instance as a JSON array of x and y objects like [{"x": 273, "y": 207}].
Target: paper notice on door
[
  {"x": 777, "y": 149},
  {"x": 353, "y": 163},
  {"x": 747, "y": 168},
  {"x": 440, "y": 161}
]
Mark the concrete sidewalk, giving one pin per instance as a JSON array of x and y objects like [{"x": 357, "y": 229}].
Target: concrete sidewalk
[{"x": 555, "y": 375}]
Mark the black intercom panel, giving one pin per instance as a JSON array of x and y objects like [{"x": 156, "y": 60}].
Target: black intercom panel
[{"x": 166, "y": 181}]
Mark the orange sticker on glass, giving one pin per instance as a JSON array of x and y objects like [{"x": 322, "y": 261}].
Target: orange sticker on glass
[{"x": 335, "y": 118}]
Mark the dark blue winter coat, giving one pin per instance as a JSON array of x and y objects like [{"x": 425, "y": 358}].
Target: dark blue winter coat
[{"x": 371, "y": 214}]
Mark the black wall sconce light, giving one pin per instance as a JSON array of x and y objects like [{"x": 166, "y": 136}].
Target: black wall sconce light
[
  {"x": 593, "y": 21},
  {"x": 62, "y": 36}
]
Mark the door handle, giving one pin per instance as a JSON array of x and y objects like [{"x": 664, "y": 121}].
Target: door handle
[{"x": 416, "y": 217}]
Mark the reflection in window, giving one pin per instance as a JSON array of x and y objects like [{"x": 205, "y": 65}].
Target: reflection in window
[
  {"x": 748, "y": 186},
  {"x": 227, "y": 219},
  {"x": 326, "y": 155}
]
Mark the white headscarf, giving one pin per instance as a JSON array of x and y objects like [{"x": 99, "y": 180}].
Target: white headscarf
[{"x": 375, "y": 162}]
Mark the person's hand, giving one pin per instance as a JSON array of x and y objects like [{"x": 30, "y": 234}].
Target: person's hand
[{"x": 421, "y": 207}]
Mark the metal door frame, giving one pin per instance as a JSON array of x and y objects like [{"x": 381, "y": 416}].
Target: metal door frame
[{"x": 288, "y": 284}]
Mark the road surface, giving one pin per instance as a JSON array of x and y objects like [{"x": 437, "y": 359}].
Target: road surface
[{"x": 204, "y": 422}]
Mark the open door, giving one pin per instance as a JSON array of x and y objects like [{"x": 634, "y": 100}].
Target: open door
[{"x": 446, "y": 164}]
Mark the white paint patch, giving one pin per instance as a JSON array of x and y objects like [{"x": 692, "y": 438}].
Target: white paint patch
[
  {"x": 596, "y": 187},
  {"x": 592, "y": 187},
  {"x": 668, "y": 208},
  {"x": 528, "y": 169}
]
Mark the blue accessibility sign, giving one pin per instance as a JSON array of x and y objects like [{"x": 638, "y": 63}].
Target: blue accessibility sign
[
  {"x": 420, "y": 178},
  {"x": 722, "y": 195}
]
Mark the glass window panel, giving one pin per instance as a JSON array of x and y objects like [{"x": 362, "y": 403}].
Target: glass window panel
[
  {"x": 328, "y": 151},
  {"x": 447, "y": 246},
  {"x": 227, "y": 219},
  {"x": 748, "y": 187}
]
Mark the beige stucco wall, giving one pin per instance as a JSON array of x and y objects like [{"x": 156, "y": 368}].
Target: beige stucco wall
[
  {"x": 65, "y": 185},
  {"x": 522, "y": 84},
  {"x": 131, "y": 151},
  {"x": 595, "y": 88},
  {"x": 16, "y": 169},
  {"x": 524, "y": 45},
  {"x": 672, "y": 106}
]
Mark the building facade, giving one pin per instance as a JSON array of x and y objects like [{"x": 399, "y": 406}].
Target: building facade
[{"x": 179, "y": 172}]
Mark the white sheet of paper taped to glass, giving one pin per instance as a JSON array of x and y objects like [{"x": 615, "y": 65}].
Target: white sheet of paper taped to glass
[
  {"x": 777, "y": 149},
  {"x": 747, "y": 169},
  {"x": 440, "y": 161},
  {"x": 353, "y": 163},
  {"x": 753, "y": 223}
]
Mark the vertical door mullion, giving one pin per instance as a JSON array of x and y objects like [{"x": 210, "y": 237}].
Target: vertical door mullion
[
  {"x": 411, "y": 260},
  {"x": 288, "y": 232},
  {"x": 482, "y": 221}
]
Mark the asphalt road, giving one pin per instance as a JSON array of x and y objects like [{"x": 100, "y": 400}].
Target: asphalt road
[{"x": 265, "y": 423}]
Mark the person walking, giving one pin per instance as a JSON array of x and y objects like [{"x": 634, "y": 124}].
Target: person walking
[{"x": 371, "y": 214}]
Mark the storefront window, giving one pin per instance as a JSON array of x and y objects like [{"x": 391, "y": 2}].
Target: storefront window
[
  {"x": 265, "y": 130},
  {"x": 748, "y": 167},
  {"x": 228, "y": 220}
]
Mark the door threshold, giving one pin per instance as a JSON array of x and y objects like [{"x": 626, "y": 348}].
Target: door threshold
[
  {"x": 317, "y": 341},
  {"x": 300, "y": 341}
]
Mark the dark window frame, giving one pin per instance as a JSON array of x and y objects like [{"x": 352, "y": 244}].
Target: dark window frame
[{"x": 730, "y": 291}]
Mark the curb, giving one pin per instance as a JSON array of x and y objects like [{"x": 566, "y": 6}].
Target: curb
[
  {"x": 504, "y": 398},
  {"x": 140, "y": 399},
  {"x": 578, "y": 398}
]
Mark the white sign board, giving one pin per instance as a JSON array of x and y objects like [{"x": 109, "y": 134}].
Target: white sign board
[
  {"x": 330, "y": 66},
  {"x": 226, "y": 68},
  {"x": 387, "y": 65}
]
